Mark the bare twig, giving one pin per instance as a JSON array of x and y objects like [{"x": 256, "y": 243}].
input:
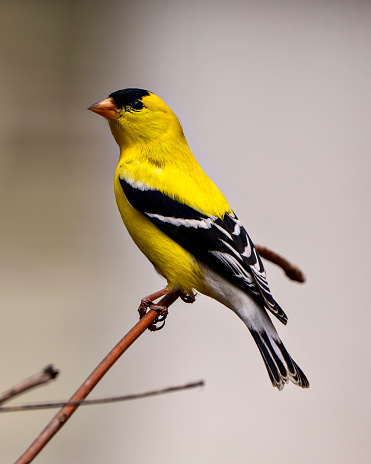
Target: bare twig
[
  {"x": 41, "y": 378},
  {"x": 113, "y": 399},
  {"x": 66, "y": 412},
  {"x": 292, "y": 271}
]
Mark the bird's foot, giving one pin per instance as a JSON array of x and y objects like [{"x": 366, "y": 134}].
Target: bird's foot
[
  {"x": 147, "y": 303},
  {"x": 162, "y": 311}
]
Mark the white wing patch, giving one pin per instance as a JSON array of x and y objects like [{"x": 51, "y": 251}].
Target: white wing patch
[
  {"x": 195, "y": 223},
  {"x": 237, "y": 226}
]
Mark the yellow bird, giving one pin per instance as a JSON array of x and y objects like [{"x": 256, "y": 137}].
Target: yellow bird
[{"x": 183, "y": 224}]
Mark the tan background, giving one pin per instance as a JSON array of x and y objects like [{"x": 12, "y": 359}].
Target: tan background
[{"x": 274, "y": 97}]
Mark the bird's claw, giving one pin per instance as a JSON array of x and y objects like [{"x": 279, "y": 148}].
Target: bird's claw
[
  {"x": 187, "y": 298},
  {"x": 162, "y": 312}
]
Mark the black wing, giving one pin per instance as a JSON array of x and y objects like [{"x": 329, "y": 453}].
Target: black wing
[{"x": 222, "y": 244}]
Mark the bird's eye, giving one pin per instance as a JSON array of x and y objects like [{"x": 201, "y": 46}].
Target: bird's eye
[{"x": 137, "y": 105}]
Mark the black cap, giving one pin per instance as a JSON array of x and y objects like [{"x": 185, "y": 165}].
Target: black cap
[{"x": 126, "y": 96}]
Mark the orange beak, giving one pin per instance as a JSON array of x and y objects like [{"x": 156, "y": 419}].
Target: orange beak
[{"x": 106, "y": 108}]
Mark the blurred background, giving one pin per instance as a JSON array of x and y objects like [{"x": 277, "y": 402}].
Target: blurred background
[{"x": 274, "y": 98}]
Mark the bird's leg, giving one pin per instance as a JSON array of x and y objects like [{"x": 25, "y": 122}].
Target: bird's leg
[{"x": 147, "y": 303}]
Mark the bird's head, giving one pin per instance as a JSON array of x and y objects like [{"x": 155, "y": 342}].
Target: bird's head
[{"x": 138, "y": 117}]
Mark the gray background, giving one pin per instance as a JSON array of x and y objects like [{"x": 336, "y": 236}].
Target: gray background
[{"x": 274, "y": 98}]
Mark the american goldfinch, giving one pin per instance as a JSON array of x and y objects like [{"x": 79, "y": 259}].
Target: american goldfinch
[{"x": 183, "y": 224}]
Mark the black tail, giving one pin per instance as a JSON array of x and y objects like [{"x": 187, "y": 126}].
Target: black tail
[{"x": 280, "y": 366}]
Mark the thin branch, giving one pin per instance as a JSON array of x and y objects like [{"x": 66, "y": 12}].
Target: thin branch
[
  {"x": 113, "y": 399},
  {"x": 40, "y": 378},
  {"x": 292, "y": 271},
  {"x": 66, "y": 412}
]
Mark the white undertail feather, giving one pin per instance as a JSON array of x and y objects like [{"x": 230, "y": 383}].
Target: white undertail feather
[{"x": 280, "y": 366}]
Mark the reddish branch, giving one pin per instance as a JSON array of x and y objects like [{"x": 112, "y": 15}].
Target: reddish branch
[{"x": 292, "y": 271}]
